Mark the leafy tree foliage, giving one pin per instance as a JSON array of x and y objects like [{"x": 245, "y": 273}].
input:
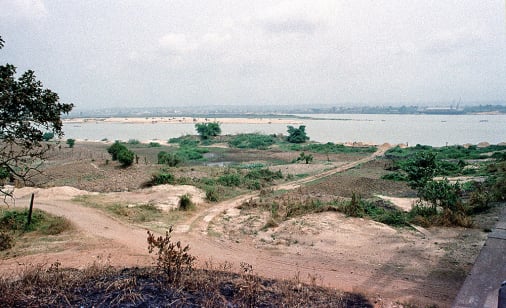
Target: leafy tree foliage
[
  {"x": 48, "y": 136},
  {"x": 27, "y": 111},
  {"x": 297, "y": 135},
  {"x": 208, "y": 130},
  {"x": 421, "y": 169},
  {"x": 442, "y": 194}
]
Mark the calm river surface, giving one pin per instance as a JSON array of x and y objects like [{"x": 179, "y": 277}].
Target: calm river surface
[{"x": 435, "y": 130}]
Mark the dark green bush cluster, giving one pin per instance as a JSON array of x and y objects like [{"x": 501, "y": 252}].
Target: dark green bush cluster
[
  {"x": 252, "y": 141},
  {"x": 154, "y": 145},
  {"x": 121, "y": 153},
  {"x": 297, "y": 135},
  {"x": 330, "y": 147},
  {"x": 185, "y": 202},
  {"x": 48, "y": 136}
]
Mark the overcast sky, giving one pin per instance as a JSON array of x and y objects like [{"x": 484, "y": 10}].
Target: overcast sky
[{"x": 178, "y": 53}]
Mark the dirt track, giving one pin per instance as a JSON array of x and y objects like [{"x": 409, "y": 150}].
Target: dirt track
[{"x": 369, "y": 271}]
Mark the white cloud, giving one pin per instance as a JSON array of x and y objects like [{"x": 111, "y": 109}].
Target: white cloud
[
  {"x": 23, "y": 9},
  {"x": 176, "y": 43}
]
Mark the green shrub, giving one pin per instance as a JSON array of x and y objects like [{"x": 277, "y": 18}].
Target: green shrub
[
  {"x": 354, "y": 207},
  {"x": 264, "y": 174},
  {"x": 71, "y": 143},
  {"x": 115, "y": 148},
  {"x": 231, "y": 180},
  {"x": 170, "y": 159},
  {"x": 126, "y": 157},
  {"x": 163, "y": 178},
  {"x": 48, "y": 136},
  {"x": 212, "y": 194},
  {"x": 154, "y": 145}
]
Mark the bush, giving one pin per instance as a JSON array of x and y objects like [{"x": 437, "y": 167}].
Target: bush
[
  {"x": 354, "y": 207},
  {"x": 163, "y": 178},
  {"x": 185, "y": 202},
  {"x": 115, "y": 148},
  {"x": 212, "y": 194},
  {"x": 6, "y": 241},
  {"x": 231, "y": 180},
  {"x": 48, "y": 136},
  {"x": 154, "y": 145},
  {"x": 169, "y": 159},
  {"x": 126, "y": 157},
  {"x": 252, "y": 141},
  {"x": 71, "y": 143}
]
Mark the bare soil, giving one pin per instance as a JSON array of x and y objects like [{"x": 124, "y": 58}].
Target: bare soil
[{"x": 388, "y": 265}]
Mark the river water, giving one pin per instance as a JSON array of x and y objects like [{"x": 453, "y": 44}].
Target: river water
[{"x": 435, "y": 130}]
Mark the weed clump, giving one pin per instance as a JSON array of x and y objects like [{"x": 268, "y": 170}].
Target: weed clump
[{"x": 172, "y": 258}]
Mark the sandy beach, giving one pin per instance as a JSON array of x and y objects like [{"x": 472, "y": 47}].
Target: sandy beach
[{"x": 183, "y": 120}]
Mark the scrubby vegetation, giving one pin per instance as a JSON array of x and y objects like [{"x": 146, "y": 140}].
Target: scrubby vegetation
[
  {"x": 13, "y": 225},
  {"x": 442, "y": 202},
  {"x": 329, "y": 147}
]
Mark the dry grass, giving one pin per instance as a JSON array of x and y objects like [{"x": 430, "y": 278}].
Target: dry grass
[{"x": 100, "y": 285}]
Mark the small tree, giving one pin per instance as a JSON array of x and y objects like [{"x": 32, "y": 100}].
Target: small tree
[
  {"x": 71, "y": 143},
  {"x": 305, "y": 157},
  {"x": 27, "y": 111},
  {"x": 297, "y": 135},
  {"x": 208, "y": 130}
]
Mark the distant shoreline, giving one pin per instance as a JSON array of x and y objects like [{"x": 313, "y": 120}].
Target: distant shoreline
[{"x": 183, "y": 120}]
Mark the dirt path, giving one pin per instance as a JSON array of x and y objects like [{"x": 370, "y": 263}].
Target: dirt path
[
  {"x": 201, "y": 222},
  {"x": 125, "y": 245}
]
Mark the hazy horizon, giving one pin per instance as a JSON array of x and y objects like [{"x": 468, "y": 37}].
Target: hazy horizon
[{"x": 157, "y": 54}]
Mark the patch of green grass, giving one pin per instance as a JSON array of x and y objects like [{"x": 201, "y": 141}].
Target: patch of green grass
[{"x": 252, "y": 141}]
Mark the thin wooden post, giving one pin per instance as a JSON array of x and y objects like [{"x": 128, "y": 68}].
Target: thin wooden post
[{"x": 29, "y": 220}]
